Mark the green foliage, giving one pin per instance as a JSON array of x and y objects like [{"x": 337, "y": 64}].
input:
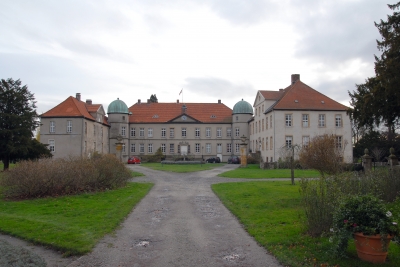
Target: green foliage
[
  {"x": 48, "y": 177},
  {"x": 378, "y": 99},
  {"x": 361, "y": 214},
  {"x": 18, "y": 120},
  {"x": 71, "y": 224},
  {"x": 253, "y": 171},
  {"x": 272, "y": 212},
  {"x": 153, "y": 98}
]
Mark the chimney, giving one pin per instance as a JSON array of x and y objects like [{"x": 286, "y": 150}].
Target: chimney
[
  {"x": 177, "y": 101},
  {"x": 78, "y": 96},
  {"x": 219, "y": 101},
  {"x": 295, "y": 78},
  {"x": 281, "y": 90},
  {"x": 89, "y": 101},
  {"x": 138, "y": 101}
]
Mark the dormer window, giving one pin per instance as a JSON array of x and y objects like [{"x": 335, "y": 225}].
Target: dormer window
[
  {"x": 213, "y": 116},
  {"x": 323, "y": 102},
  {"x": 155, "y": 116}
]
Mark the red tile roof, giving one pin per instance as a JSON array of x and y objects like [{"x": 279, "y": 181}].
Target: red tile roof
[
  {"x": 300, "y": 96},
  {"x": 72, "y": 107},
  {"x": 272, "y": 95},
  {"x": 165, "y": 112}
]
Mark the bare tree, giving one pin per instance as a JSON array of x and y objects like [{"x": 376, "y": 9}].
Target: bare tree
[
  {"x": 378, "y": 153},
  {"x": 324, "y": 153}
]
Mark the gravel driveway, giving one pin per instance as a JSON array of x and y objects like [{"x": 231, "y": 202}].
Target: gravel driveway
[{"x": 181, "y": 222}]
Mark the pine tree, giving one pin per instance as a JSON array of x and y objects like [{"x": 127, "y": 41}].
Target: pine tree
[
  {"x": 18, "y": 120},
  {"x": 378, "y": 99}
]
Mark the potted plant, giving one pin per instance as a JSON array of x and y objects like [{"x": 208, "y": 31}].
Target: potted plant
[{"x": 365, "y": 219}]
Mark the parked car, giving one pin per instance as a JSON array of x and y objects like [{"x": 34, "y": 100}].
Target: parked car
[
  {"x": 213, "y": 160},
  {"x": 134, "y": 160},
  {"x": 234, "y": 160}
]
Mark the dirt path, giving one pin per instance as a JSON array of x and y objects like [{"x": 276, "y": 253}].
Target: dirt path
[{"x": 181, "y": 222}]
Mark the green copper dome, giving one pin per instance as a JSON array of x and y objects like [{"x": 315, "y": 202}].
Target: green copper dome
[
  {"x": 117, "y": 106},
  {"x": 242, "y": 107}
]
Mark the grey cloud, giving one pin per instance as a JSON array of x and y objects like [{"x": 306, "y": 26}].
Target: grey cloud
[
  {"x": 344, "y": 31},
  {"x": 219, "y": 87}
]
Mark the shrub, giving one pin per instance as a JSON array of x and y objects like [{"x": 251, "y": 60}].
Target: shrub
[
  {"x": 55, "y": 177},
  {"x": 364, "y": 214},
  {"x": 321, "y": 196}
]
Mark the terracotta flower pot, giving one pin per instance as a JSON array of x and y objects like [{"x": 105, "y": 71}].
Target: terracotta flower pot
[{"x": 370, "y": 248}]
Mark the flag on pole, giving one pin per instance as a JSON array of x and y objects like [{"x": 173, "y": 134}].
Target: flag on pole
[{"x": 180, "y": 92}]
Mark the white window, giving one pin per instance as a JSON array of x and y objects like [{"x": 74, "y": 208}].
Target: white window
[
  {"x": 101, "y": 131},
  {"x": 305, "y": 120},
  {"x": 85, "y": 127},
  {"x": 123, "y": 130},
  {"x": 270, "y": 144},
  {"x": 141, "y": 148},
  {"x": 133, "y": 148},
  {"x": 219, "y": 148},
  {"x": 171, "y": 148},
  {"x": 197, "y": 148},
  {"x": 163, "y": 132},
  {"x": 150, "y": 132},
  {"x": 237, "y": 132},
  {"x": 163, "y": 148},
  {"x": 141, "y": 132},
  {"x": 94, "y": 130},
  {"x": 52, "y": 145},
  {"x": 266, "y": 123},
  {"x": 208, "y": 148},
  {"x": 338, "y": 121},
  {"x": 270, "y": 122},
  {"x": 84, "y": 147},
  {"x": 289, "y": 140},
  {"x": 69, "y": 126},
  {"x": 229, "y": 148},
  {"x": 288, "y": 120},
  {"x": 228, "y": 132},
  {"x": 208, "y": 132},
  {"x": 266, "y": 144},
  {"x": 52, "y": 127},
  {"x": 219, "y": 132},
  {"x": 306, "y": 141},
  {"x": 237, "y": 148},
  {"x": 123, "y": 148},
  {"x": 321, "y": 120},
  {"x": 171, "y": 132},
  {"x": 183, "y": 132},
  {"x": 150, "y": 148},
  {"x": 338, "y": 142},
  {"x": 94, "y": 146},
  {"x": 197, "y": 132},
  {"x": 133, "y": 132}
]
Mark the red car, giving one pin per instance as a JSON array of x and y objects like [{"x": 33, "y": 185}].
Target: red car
[{"x": 133, "y": 160}]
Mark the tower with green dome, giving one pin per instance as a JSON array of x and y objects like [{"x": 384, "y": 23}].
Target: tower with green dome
[
  {"x": 118, "y": 118},
  {"x": 242, "y": 113}
]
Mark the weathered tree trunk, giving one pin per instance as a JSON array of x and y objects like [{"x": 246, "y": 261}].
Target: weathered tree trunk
[{"x": 292, "y": 169}]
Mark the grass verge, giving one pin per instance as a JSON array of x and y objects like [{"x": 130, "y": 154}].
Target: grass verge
[
  {"x": 271, "y": 212},
  {"x": 253, "y": 171},
  {"x": 71, "y": 224},
  {"x": 182, "y": 167}
]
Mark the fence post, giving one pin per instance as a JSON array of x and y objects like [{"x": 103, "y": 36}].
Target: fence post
[
  {"x": 367, "y": 160},
  {"x": 392, "y": 158}
]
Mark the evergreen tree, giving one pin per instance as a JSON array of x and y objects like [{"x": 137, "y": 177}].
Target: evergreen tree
[
  {"x": 18, "y": 120},
  {"x": 378, "y": 99},
  {"x": 153, "y": 99}
]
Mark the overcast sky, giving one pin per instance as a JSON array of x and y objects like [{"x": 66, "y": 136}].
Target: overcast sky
[{"x": 213, "y": 49}]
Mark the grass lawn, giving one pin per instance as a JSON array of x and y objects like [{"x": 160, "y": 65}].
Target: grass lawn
[
  {"x": 182, "y": 167},
  {"x": 71, "y": 224},
  {"x": 253, "y": 171},
  {"x": 271, "y": 212}
]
